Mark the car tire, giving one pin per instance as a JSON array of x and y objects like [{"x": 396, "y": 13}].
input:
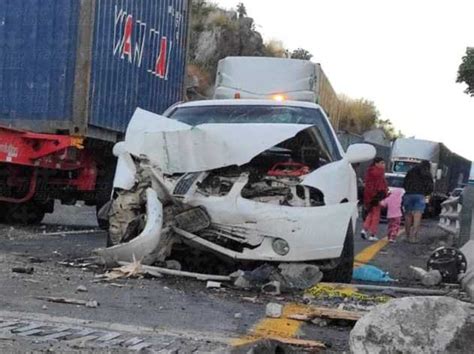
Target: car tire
[{"x": 342, "y": 273}]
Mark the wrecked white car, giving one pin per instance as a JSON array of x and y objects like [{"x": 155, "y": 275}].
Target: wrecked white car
[{"x": 248, "y": 180}]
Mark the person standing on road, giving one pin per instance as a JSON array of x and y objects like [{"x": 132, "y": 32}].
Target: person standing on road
[
  {"x": 375, "y": 190},
  {"x": 393, "y": 203},
  {"x": 418, "y": 184}
]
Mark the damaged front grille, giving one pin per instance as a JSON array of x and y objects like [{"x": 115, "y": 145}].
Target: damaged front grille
[
  {"x": 234, "y": 238},
  {"x": 193, "y": 220},
  {"x": 185, "y": 183}
]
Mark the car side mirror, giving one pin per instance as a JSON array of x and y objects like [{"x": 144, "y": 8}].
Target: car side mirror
[
  {"x": 119, "y": 149},
  {"x": 360, "y": 153}
]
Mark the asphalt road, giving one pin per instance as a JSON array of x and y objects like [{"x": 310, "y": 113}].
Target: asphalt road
[{"x": 164, "y": 314}]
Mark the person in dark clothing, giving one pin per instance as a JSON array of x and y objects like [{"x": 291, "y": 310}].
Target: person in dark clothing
[
  {"x": 418, "y": 184},
  {"x": 375, "y": 190}
]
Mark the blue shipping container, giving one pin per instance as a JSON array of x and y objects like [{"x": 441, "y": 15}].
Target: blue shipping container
[{"x": 82, "y": 67}]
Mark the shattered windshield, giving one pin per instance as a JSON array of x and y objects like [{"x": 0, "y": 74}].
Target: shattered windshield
[{"x": 241, "y": 114}]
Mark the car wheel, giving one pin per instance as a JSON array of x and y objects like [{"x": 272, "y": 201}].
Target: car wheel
[{"x": 342, "y": 273}]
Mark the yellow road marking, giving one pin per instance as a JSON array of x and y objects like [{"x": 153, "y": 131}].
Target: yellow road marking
[
  {"x": 286, "y": 328},
  {"x": 368, "y": 253},
  {"x": 276, "y": 327}
]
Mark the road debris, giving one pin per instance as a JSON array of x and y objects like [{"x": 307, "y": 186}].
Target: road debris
[
  {"x": 117, "y": 285},
  {"x": 428, "y": 278},
  {"x": 253, "y": 300},
  {"x": 276, "y": 344},
  {"x": 92, "y": 304},
  {"x": 276, "y": 279},
  {"x": 299, "y": 276},
  {"x": 198, "y": 276},
  {"x": 328, "y": 313},
  {"x": 129, "y": 270},
  {"x": 415, "y": 325},
  {"x": 142, "y": 245},
  {"x": 81, "y": 289},
  {"x": 272, "y": 288},
  {"x": 404, "y": 290},
  {"x": 76, "y": 264},
  {"x": 370, "y": 273},
  {"x": 71, "y": 232},
  {"x": 23, "y": 270},
  {"x": 240, "y": 280},
  {"x": 63, "y": 300},
  {"x": 418, "y": 272},
  {"x": 273, "y": 310},
  {"x": 307, "y": 344},
  {"x": 173, "y": 264},
  {"x": 335, "y": 290},
  {"x": 238, "y": 315},
  {"x": 320, "y": 322},
  {"x": 213, "y": 285},
  {"x": 432, "y": 278},
  {"x": 450, "y": 262}
]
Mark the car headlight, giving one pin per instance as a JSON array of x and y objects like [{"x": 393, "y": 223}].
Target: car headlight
[{"x": 280, "y": 247}]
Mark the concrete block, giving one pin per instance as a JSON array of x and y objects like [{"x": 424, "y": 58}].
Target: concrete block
[
  {"x": 421, "y": 324},
  {"x": 432, "y": 278},
  {"x": 273, "y": 310}
]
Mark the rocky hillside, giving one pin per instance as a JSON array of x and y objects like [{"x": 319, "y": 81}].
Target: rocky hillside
[{"x": 215, "y": 34}]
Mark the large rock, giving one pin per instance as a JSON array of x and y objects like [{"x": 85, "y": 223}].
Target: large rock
[{"x": 430, "y": 324}]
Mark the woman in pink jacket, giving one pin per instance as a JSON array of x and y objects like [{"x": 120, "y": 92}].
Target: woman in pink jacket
[{"x": 393, "y": 203}]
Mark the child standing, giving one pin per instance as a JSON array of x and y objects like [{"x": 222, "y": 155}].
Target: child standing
[{"x": 393, "y": 203}]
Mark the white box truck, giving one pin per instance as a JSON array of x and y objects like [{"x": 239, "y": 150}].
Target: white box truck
[
  {"x": 278, "y": 79},
  {"x": 449, "y": 170}
]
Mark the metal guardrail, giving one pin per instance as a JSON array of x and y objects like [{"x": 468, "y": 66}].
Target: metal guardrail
[
  {"x": 467, "y": 215},
  {"x": 450, "y": 217}
]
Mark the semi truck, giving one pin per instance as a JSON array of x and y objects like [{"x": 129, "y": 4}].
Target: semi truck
[
  {"x": 71, "y": 75},
  {"x": 278, "y": 79},
  {"x": 449, "y": 170}
]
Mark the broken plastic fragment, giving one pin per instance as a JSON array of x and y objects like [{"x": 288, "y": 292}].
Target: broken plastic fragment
[{"x": 142, "y": 245}]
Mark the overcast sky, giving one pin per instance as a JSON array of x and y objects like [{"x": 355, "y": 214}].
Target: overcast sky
[{"x": 403, "y": 55}]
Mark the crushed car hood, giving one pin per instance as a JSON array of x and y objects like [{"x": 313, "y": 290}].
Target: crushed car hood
[{"x": 177, "y": 147}]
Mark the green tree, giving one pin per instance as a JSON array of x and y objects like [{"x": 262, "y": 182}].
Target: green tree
[
  {"x": 301, "y": 53},
  {"x": 241, "y": 10},
  {"x": 466, "y": 71},
  {"x": 275, "y": 48},
  {"x": 389, "y": 129},
  {"x": 357, "y": 115}
]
